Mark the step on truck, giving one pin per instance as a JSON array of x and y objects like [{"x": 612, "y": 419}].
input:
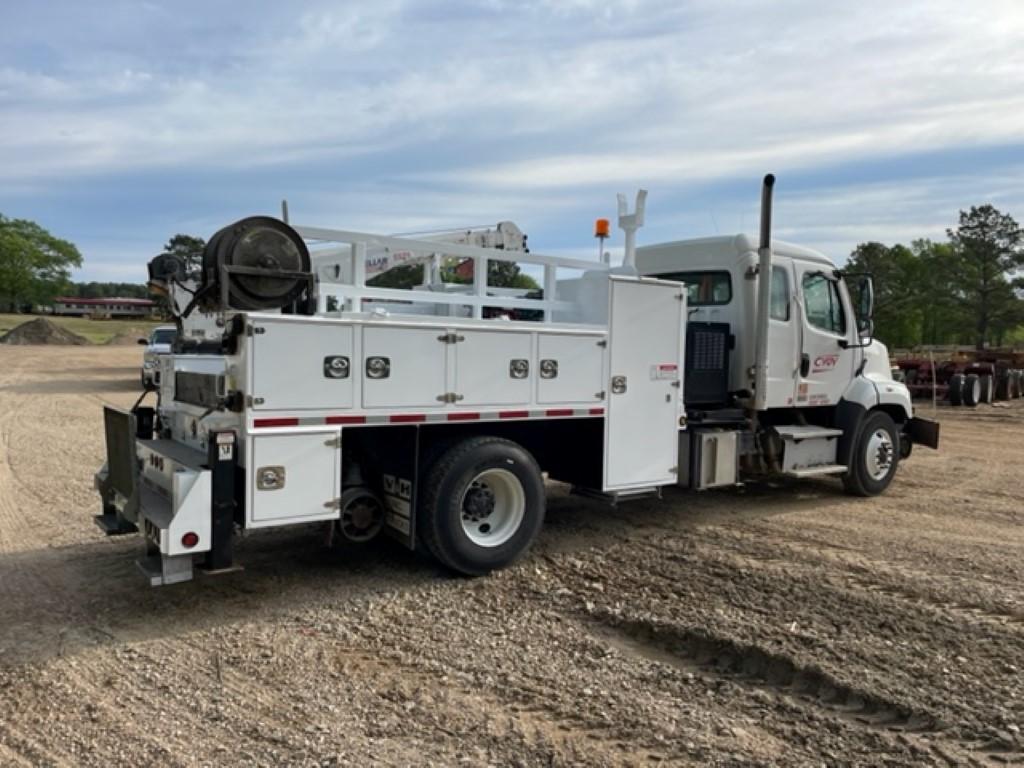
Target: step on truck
[{"x": 301, "y": 391}]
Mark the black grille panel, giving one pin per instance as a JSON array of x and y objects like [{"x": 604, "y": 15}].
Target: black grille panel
[{"x": 707, "y": 364}]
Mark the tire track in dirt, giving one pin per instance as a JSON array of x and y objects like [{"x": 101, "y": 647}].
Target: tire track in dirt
[
  {"x": 926, "y": 589},
  {"x": 750, "y": 666},
  {"x": 683, "y": 570}
]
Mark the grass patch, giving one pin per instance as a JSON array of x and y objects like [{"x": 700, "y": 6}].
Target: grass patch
[{"x": 96, "y": 331}]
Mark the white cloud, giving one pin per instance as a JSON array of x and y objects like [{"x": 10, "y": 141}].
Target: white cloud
[{"x": 397, "y": 115}]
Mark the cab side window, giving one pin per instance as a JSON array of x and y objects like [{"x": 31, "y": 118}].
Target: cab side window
[
  {"x": 780, "y": 294},
  {"x": 823, "y": 305}
]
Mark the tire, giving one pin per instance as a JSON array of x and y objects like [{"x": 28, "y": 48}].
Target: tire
[
  {"x": 956, "y": 389},
  {"x": 875, "y": 456},
  {"x": 972, "y": 390},
  {"x": 988, "y": 388},
  {"x": 1003, "y": 386},
  {"x": 482, "y": 505}
]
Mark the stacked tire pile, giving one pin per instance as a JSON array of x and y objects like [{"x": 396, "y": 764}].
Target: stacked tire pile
[{"x": 971, "y": 389}]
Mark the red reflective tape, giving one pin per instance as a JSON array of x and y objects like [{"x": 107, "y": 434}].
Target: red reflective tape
[
  {"x": 513, "y": 414},
  {"x": 345, "y": 420},
  {"x": 597, "y": 411},
  {"x": 407, "y": 418},
  {"x": 559, "y": 412},
  {"x": 463, "y": 416},
  {"x": 276, "y": 423}
]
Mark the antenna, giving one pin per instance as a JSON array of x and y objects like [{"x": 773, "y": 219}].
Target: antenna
[{"x": 284, "y": 211}]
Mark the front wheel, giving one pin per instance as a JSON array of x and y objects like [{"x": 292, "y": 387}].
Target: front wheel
[
  {"x": 874, "y": 457},
  {"x": 482, "y": 505}
]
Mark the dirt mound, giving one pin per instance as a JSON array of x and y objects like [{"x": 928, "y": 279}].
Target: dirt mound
[
  {"x": 128, "y": 337},
  {"x": 42, "y": 331}
]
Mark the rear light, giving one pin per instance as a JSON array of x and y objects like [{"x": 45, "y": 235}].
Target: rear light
[{"x": 189, "y": 540}]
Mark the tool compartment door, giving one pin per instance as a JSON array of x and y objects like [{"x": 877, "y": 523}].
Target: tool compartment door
[
  {"x": 302, "y": 366},
  {"x": 294, "y": 477},
  {"x": 646, "y": 322},
  {"x": 484, "y": 368}
]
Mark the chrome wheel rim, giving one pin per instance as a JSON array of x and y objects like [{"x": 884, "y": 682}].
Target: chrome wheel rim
[
  {"x": 880, "y": 454},
  {"x": 493, "y": 507}
]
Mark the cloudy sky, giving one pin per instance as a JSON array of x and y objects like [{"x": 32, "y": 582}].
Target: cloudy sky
[{"x": 122, "y": 123}]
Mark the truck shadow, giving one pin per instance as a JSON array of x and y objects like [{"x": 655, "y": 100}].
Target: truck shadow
[{"x": 63, "y": 601}]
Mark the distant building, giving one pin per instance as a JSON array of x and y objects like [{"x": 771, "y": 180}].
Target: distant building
[{"x": 103, "y": 307}]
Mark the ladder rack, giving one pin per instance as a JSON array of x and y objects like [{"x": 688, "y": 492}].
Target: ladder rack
[{"x": 352, "y": 293}]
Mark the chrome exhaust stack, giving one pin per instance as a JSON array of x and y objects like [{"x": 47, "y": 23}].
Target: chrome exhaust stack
[{"x": 764, "y": 295}]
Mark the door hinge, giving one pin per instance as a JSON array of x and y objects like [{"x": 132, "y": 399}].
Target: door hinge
[
  {"x": 333, "y": 442},
  {"x": 333, "y": 504},
  {"x": 450, "y": 397},
  {"x": 676, "y": 383},
  {"x": 673, "y": 470},
  {"x": 251, "y": 400},
  {"x": 603, "y": 343},
  {"x": 599, "y": 395},
  {"x": 254, "y": 329},
  {"x": 451, "y": 338}
]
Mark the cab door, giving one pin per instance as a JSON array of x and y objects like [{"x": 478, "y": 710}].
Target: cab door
[
  {"x": 825, "y": 367},
  {"x": 783, "y": 335}
]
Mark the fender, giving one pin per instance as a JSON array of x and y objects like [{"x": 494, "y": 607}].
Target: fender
[
  {"x": 893, "y": 393},
  {"x": 865, "y": 393}
]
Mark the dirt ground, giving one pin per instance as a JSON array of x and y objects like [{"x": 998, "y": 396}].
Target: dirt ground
[{"x": 768, "y": 625}]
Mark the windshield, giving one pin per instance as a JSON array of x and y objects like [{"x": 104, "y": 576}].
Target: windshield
[{"x": 163, "y": 336}]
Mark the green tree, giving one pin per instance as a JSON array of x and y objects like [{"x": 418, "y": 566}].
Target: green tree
[
  {"x": 987, "y": 248},
  {"x": 94, "y": 290},
  {"x": 406, "y": 276},
  {"x": 500, "y": 274},
  {"x": 897, "y": 273},
  {"x": 944, "y": 319},
  {"x": 35, "y": 266},
  {"x": 187, "y": 247}
]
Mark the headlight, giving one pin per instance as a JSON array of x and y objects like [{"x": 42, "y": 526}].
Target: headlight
[{"x": 149, "y": 364}]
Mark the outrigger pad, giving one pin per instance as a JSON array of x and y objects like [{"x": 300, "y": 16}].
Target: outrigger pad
[
  {"x": 163, "y": 570},
  {"x": 113, "y": 524}
]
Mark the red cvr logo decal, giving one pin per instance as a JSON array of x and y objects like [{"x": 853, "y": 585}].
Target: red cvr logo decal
[{"x": 825, "y": 363}]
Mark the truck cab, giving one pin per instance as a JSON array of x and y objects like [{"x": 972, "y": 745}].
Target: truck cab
[{"x": 825, "y": 372}]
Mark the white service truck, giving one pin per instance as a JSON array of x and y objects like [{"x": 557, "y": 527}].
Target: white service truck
[{"x": 298, "y": 393}]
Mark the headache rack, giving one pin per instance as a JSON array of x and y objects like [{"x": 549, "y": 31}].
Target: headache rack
[{"x": 340, "y": 261}]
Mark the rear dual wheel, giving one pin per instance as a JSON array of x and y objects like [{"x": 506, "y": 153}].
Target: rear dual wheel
[{"x": 482, "y": 505}]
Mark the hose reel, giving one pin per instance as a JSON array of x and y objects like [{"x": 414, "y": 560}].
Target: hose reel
[{"x": 257, "y": 263}]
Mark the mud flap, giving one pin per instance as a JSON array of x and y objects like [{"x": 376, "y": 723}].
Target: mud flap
[{"x": 923, "y": 432}]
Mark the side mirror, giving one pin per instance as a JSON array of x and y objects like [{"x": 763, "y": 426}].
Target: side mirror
[
  {"x": 144, "y": 342},
  {"x": 865, "y": 305}
]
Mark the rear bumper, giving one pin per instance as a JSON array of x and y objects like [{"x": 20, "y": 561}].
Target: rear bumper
[{"x": 923, "y": 432}]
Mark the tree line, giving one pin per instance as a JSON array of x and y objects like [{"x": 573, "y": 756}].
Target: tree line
[
  {"x": 35, "y": 267},
  {"x": 965, "y": 290}
]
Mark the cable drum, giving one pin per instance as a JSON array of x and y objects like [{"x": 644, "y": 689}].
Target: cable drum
[{"x": 265, "y": 262}]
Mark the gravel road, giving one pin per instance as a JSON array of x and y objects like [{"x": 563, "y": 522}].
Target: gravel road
[{"x": 766, "y": 625}]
